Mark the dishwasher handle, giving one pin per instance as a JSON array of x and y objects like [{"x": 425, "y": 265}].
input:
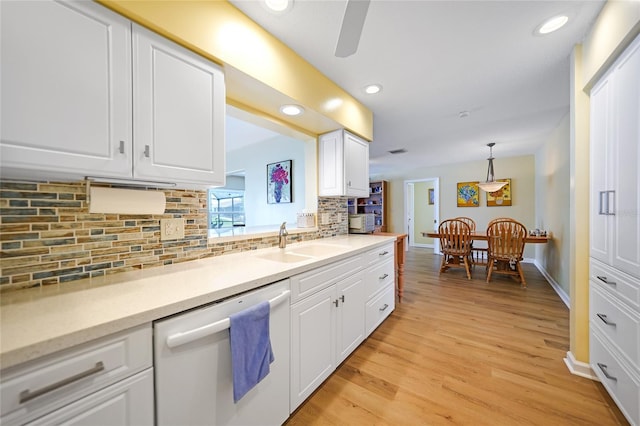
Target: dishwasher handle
[{"x": 181, "y": 338}]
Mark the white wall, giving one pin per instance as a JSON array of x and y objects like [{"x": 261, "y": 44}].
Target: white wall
[
  {"x": 253, "y": 159},
  {"x": 423, "y": 212},
  {"x": 552, "y": 204}
]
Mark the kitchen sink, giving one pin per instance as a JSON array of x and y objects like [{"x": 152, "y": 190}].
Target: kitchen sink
[
  {"x": 285, "y": 257},
  {"x": 317, "y": 249}
]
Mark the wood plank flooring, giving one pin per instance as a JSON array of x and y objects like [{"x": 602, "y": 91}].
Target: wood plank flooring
[{"x": 463, "y": 352}]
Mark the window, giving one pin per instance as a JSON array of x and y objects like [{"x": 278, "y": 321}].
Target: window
[{"x": 226, "y": 208}]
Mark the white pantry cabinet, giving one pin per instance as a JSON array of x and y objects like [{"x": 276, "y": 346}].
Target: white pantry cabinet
[
  {"x": 343, "y": 165},
  {"x": 88, "y": 93},
  {"x": 614, "y": 293}
]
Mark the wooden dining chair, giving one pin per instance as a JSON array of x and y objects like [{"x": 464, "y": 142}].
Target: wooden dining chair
[
  {"x": 455, "y": 245},
  {"x": 505, "y": 247},
  {"x": 478, "y": 253}
]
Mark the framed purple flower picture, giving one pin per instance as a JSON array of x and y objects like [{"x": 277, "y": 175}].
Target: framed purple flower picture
[{"x": 279, "y": 182}]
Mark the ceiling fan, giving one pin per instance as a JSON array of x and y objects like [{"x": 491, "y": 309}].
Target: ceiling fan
[{"x": 352, "y": 23}]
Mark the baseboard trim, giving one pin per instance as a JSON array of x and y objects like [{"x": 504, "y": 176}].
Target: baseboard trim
[
  {"x": 579, "y": 368},
  {"x": 558, "y": 289}
]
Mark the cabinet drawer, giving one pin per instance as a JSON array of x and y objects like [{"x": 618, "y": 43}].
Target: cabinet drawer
[
  {"x": 621, "y": 385},
  {"x": 307, "y": 283},
  {"x": 380, "y": 254},
  {"x": 623, "y": 286},
  {"x": 43, "y": 385},
  {"x": 616, "y": 322},
  {"x": 379, "y": 276},
  {"x": 380, "y": 307}
]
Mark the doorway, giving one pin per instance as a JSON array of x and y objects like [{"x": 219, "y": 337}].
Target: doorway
[{"x": 422, "y": 211}]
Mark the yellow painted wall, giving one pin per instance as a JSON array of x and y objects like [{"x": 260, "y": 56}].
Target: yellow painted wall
[
  {"x": 260, "y": 71},
  {"x": 520, "y": 169}
]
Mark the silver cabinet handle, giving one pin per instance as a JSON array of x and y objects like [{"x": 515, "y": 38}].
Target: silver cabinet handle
[
  {"x": 384, "y": 307},
  {"x": 383, "y": 277},
  {"x": 147, "y": 153},
  {"x": 604, "y": 319},
  {"x": 384, "y": 253},
  {"x": 603, "y": 368},
  {"x": 121, "y": 147},
  {"x": 611, "y": 205},
  {"x": 342, "y": 298},
  {"x": 27, "y": 395},
  {"x": 336, "y": 302},
  {"x": 604, "y": 280},
  {"x": 601, "y": 208}
]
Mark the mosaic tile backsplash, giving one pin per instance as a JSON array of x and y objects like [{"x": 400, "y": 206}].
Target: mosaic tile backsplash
[{"x": 48, "y": 236}]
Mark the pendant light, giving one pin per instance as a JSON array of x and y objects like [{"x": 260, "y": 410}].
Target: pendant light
[{"x": 491, "y": 185}]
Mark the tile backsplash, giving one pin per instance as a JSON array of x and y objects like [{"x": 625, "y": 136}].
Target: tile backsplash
[{"x": 48, "y": 236}]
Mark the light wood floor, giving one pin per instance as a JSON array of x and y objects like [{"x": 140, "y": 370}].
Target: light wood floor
[{"x": 463, "y": 352}]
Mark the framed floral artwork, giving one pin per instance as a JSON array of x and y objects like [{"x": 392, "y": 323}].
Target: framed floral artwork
[
  {"x": 279, "y": 182},
  {"x": 468, "y": 194},
  {"x": 501, "y": 197}
]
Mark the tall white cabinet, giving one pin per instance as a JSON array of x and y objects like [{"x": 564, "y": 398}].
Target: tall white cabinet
[
  {"x": 85, "y": 92},
  {"x": 614, "y": 297}
]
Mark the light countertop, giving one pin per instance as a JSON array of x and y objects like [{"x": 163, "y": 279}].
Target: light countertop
[{"x": 40, "y": 321}]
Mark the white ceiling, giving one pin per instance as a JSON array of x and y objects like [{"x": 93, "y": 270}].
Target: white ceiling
[{"x": 438, "y": 58}]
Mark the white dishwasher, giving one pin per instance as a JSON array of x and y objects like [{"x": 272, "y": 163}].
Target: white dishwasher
[{"x": 192, "y": 354}]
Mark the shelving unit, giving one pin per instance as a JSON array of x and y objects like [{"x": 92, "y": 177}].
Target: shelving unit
[{"x": 376, "y": 203}]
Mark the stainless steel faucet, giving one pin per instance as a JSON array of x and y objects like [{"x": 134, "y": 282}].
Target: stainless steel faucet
[{"x": 282, "y": 235}]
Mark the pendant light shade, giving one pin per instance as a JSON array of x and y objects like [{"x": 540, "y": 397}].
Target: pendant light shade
[{"x": 491, "y": 185}]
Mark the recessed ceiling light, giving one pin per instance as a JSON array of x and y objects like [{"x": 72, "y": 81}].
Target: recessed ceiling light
[
  {"x": 372, "y": 89},
  {"x": 291, "y": 110},
  {"x": 552, "y": 24},
  {"x": 463, "y": 114},
  {"x": 279, "y": 6}
]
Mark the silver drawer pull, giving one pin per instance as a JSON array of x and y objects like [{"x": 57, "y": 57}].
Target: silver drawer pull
[
  {"x": 603, "y": 367},
  {"x": 27, "y": 395},
  {"x": 384, "y": 253},
  {"x": 121, "y": 148},
  {"x": 604, "y": 280},
  {"x": 384, "y": 307},
  {"x": 604, "y": 319},
  {"x": 383, "y": 277}
]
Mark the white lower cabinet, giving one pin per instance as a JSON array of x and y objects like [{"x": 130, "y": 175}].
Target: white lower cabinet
[
  {"x": 128, "y": 402},
  {"x": 334, "y": 308},
  {"x": 108, "y": 381},
  {"x": 325, "y": 328}
]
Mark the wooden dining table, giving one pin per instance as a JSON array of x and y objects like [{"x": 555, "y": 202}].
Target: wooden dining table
[
  {"x": 480, "y": 257},
  {"x": 482, "y": 236}
]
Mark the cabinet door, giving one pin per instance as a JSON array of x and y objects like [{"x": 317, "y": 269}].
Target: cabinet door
[
  {"x": 313, "y": 325},
  {"x": 66, "y": 90},
  {"x": 128, "y": 402},
  {"x": 356, "y": 167},
  {"x": 350, "y": 320},
  {"x": 600, "y": 147},
  {"x": 179, "y": 100},
  {"x": 330, "y": 164},
  {"x": 625, "y": 161}
]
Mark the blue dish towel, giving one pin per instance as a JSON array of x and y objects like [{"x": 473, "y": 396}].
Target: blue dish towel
[{"x": 251, "y": 351}]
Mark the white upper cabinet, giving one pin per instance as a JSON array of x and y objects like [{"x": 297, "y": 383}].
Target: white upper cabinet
[
  {"x": 179, "y": 103},
  {"x": 343, "y": 165},
  {"x": 66, "y": 90},
  {"x": 87, "y": 93}
]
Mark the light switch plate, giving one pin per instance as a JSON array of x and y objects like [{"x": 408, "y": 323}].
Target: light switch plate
[{"x": 171, "y": 229}]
